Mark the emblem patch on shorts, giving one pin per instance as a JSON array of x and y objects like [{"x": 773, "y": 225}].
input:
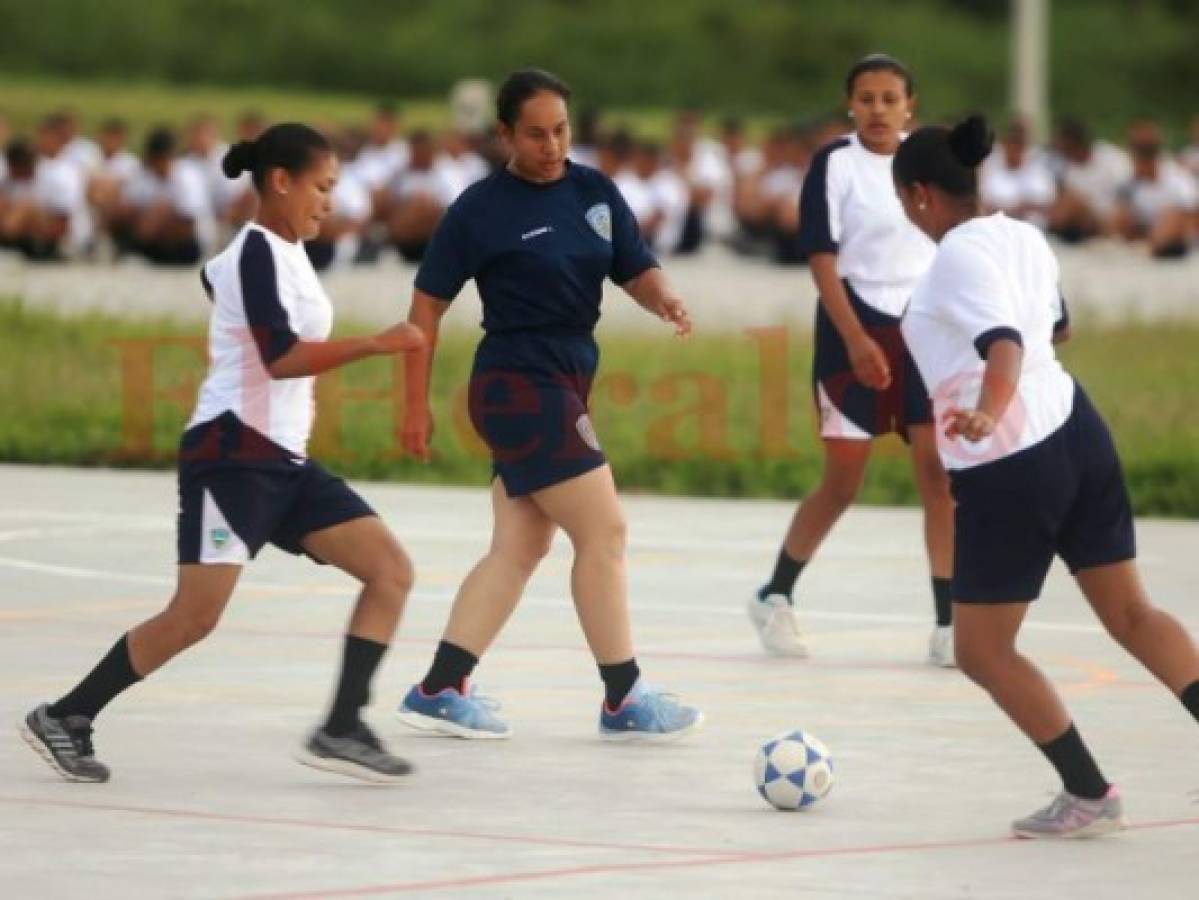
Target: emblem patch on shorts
[
  {"x": 220, "y": 537},
  {"x": 587, "y": 432},
  {"x": 600, "y": 219}
]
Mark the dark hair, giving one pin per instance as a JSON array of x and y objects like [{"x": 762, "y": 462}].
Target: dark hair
[
  {"x": 160, "y": 142},
  {"x": 19, "y": 154},
  {"x": 289, "y": 146},
  {"x": 880, "y": 62},
  {"x": 520, "y": 86},
  {"x": 1074, "y": 131},
  {"x": 945, "y": 157}
]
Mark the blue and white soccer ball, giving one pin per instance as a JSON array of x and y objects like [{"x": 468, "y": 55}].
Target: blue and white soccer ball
[{"x": 793, "y": 771}]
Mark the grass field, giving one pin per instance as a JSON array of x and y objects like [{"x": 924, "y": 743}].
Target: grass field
[{"x": 725, "y": 416}]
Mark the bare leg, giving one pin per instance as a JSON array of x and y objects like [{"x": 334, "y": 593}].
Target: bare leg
[
  {"x": 520, "y": 539},
  {"x": 985, "y": 645},
  {"x": 1153, "y": 636},
  {"x": 588, "y": 510},
  {"x": 844, "y": 469}
]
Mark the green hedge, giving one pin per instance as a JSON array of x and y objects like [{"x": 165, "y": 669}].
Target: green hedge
[{"x": 1109, "y": 60}]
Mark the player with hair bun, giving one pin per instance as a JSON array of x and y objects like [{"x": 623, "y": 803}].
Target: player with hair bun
[
  {"x": 245, "y": 479},
  {"x": 1037, "y": 475}
]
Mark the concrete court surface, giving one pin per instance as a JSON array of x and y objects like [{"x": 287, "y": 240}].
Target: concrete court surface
[{"x": 205, "y": 801}]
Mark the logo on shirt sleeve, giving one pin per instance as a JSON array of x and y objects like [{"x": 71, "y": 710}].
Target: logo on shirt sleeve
[{"x": 599, "y": 217}]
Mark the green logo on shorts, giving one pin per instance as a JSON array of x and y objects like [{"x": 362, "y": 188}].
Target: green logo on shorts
[{"x": 220, "y": 537}]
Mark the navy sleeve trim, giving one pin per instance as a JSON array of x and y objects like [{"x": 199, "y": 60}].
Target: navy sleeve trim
[
  {"x": 983, "y": 342},
  {"x": 206, "y": 283},
  {"x": 269, "y": 324},
  {"x": 815, "y": 234},
  {"x": 1064, "y": 321}
]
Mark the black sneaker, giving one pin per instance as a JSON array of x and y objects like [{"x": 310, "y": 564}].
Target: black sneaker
[
  {"x": 66, "y": 744},
  {"x": 358, "y": 754}
]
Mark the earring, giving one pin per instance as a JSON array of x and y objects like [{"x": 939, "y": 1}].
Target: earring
[
  {"x": 921, "y": 206},
  {"x": 849, "y": 112}
]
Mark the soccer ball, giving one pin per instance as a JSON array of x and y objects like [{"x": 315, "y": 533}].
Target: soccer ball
[{"x": 793, "y": 771}]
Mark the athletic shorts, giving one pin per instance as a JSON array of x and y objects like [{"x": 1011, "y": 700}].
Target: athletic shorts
[
  {"x": 1064, "y": 496},
  {"x": 238, "y": 491},
  {"x": 848, "y": 409},
  {"x": 528, "y": 402}
]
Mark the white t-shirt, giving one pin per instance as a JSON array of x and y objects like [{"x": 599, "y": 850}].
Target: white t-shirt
[
  {"x": 376, "y": 165},
  {"x": 1099, "y": 179},
  {"x": 120, "y": 167},
  {"x": 351, "y": 198},
  {"x": 1174, "y": 188},
  {"x": 637, "y": 194},
  {"x": 992, "y": 277},
  {"x": 849, "y": 207},
  {"x": 671, "y": 197},
  {"x": 59, "y": 186},
  {"x": 84, "y": 153},
  {"x": 463, "y": 170},
  {"x": 1002, "y": 188},
  {"x": 781, "y": 183},
  {"x": 265, "y": 297},
  {"x": 434, "y": 183}
]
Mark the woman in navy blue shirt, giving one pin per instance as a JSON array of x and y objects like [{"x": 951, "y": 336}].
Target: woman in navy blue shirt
[{"x": 539, "y": 237}]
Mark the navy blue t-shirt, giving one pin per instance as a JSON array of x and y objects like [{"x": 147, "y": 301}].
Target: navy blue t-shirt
[{"x": 539, "y": 253}]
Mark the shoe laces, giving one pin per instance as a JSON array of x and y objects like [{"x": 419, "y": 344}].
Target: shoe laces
[
  {"x": 488, "y": 703},
  {"x": 782, "y": 617},
  {"x": 80, "y": 732}
]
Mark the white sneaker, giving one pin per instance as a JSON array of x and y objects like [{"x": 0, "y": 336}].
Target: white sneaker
[
  {"x": 1072, "y": 817},
  {"x": 777, "y": 626},
  {"x": 940, "y": 648}
]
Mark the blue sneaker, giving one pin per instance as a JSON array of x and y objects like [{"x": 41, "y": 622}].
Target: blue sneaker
[
  {"x": 648, "y": 715},
  {"x": 452, "y": 713}
]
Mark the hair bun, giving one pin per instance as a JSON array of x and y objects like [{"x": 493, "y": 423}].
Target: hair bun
[
  {"x": 239, "y": 158},
  {"x": 970, "y": 141}
]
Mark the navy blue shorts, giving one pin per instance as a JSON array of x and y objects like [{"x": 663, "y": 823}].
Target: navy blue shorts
[
  {"x": 528, "y": 402},
  {"x": 1064, "y": 496},
  {"x": 238, "y": 491},
  {"x": 849, "y": 409}
]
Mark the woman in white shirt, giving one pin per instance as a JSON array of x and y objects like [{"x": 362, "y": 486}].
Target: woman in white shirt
[
  {"x": 865, "y": 258},
  {"x": 245, "y": 479},
  {"x": 1034, "y": 471}
]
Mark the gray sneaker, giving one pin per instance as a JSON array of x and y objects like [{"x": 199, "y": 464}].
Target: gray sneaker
[
  {"x": 358, "y": 754},
  {"x": 65, "y": 744},
  {"x": 1072, "y": 817}
]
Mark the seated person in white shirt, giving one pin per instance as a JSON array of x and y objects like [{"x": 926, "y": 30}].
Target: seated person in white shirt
[
  {"x": 698, "y": 161},
  {"x": 79, "y": 149},
  {"x": 117, "y": 166},
  {"x": 1159, "y": 204},
  {"x": 669, "y": 195},
  {"x": 459, "y": 161},
  {"x": 1092, "y": 174},
  {"x": 16, "y": 192},
  {"x": 4, "y": 136},
  {"x": 383, "y": 157},
  {"x": 51, "y": 219},
  {"x": 1015, "y": 179},
  {"x": 166, "y": 212},
  {"x": 615, "y": 157},
  {"x": 341, "y": 236},
  {"x": 417, "y": 198},
  {"x": 233, "y": 200}
]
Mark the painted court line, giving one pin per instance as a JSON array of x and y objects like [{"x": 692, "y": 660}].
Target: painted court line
[
  {"x": 537, "y": 600},
  {"x": 496, "y": 837},
  {"x": 662, "y": 865}
]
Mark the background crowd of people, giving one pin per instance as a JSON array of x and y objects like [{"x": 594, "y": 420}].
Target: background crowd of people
[{"x": 65, "y": 194}]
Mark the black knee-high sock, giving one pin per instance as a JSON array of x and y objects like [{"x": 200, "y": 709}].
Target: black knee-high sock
[
  {"x": 782, "y": 580},
  {"x": 1073, "y": 761},
  {"x": 359, "y": 660},
  {"x": 943, "y": 600},
  {"x": 451, "y": 667},
  {"x": 1190, "y": 698},
  {"x": 619, "y": 679},
  {"x": 112, "y": 675}
]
